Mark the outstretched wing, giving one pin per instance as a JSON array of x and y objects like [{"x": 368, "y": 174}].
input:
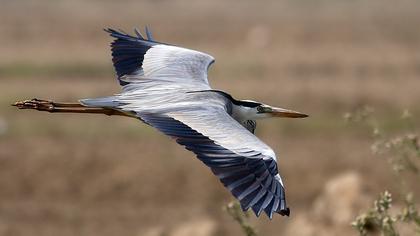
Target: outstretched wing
[
  {"x": 243, "y": 163},
  {"x": 143, "y": 63},
  {"x": 156, "y": 79}
]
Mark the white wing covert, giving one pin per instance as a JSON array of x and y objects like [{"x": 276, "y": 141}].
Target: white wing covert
[{"x": 146, "y": 64}]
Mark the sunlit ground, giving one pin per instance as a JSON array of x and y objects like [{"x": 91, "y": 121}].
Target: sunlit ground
[{"x": 97, "y": 175}]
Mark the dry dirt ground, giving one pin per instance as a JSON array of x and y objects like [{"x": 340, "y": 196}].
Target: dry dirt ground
[{"x": 97, "y": 175}]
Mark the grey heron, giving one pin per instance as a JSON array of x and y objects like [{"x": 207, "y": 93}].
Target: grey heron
[{"x": 166, "y": 87}]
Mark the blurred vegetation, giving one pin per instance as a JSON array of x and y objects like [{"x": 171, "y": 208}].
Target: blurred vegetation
[
  {"x": 242, "y": 218},
  {"x": 402, "y": 151}
]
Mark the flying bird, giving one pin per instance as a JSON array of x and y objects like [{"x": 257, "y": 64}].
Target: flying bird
[{"x": 166, "y": 87}]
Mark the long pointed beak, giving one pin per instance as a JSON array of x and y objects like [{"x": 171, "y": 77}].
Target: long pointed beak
[{"x": 280, "y": 112}]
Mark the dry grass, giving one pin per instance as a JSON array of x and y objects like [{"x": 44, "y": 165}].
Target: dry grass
[{"x": 93, "y": 175}]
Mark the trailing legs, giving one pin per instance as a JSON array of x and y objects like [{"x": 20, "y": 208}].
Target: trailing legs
[{"x": 55, "y": 107}]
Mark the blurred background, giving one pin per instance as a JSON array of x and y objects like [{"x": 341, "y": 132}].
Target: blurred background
[{"x": 97, "y": 175}]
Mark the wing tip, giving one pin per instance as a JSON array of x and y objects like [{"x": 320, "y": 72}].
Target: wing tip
[
  {"x": 269, "y": 210},
  {"x": 149, "y": 34},
  {"x": 271, "y": 205},
  {"x": 128, "y": 51},
  {"x": 270, "y": 213},
  {"x": 285, "y": 212},
  {"x": 121, "y": 34}
]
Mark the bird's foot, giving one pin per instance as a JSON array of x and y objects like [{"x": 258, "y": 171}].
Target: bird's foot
[{"x": 36, "y": 104}]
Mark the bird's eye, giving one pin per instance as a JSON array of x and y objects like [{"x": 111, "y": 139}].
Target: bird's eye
[{"x": 260, "y": 109}]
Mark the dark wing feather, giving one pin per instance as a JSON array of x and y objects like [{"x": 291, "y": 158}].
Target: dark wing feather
[
  {"x": 142, "y": 62},
  {"x": 250, "y": 176},
  {"x": 128, "y": 52},
  {"x": 250, "y": 125}
]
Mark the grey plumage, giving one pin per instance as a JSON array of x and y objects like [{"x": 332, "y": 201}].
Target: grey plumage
[{"x": 166, "y": 87}]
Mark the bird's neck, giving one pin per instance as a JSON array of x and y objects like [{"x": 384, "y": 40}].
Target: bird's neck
[{"x": 243, "y": 113}]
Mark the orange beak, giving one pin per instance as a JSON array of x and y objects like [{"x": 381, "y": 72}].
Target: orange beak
[{"x": 280, "y": 112}]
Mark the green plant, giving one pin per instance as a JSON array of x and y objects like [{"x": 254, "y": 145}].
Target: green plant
[
  {"x": 403, "y": 153},
  {"x": 242, "y": 218}
]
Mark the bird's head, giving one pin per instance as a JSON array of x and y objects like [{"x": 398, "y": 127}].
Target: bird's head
[{"x": 260, "y": 110}]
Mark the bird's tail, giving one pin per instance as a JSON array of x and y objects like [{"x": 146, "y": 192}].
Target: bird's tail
[{"x": 104, "y": 102}]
